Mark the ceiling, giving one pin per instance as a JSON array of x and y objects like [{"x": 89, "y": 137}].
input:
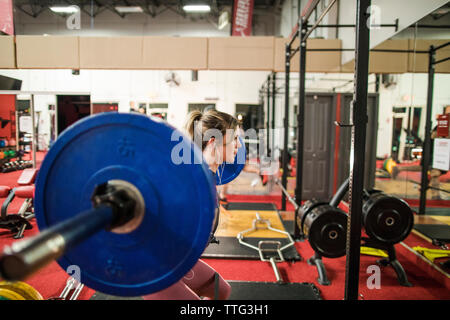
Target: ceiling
[{"x": 152, "y": 8}]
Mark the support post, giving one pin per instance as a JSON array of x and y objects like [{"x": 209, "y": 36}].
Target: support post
[
  {"x": 268, "y": 116},
  {"x": 274, "y": 88},
  {"x": 286, "y": 124},
  {"x": 300, "y": 121},
  {"x": 427, "y": 141},
  {"x": 357, "y": 151}
]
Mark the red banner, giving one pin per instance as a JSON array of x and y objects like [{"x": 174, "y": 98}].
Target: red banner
[
  {"x": 242, "y": 18},
  {"x": 443, "y": 125},
  {"x": 6, "y": 17}
]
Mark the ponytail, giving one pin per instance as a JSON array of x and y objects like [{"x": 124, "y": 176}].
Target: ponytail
[
  {"x": 211, "y": 119},
  {"x": 193, "y": 117}
]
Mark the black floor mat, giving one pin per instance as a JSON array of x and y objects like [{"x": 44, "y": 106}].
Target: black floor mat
[
  {"x": 249, "y": 290},
  {"x": 263, "y": 206},
  {"x": 439, "y": 232},
  {"x": 103, "y": 296},
  {"x": 230, "y": 248}
]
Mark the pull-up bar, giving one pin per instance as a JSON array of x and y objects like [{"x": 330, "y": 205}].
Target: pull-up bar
[
  {"x": 327, "y": 9},
  {"x": 294, "y": 51}
]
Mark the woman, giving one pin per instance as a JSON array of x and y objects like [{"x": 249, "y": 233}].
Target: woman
[{"x": 216, "y": 134}]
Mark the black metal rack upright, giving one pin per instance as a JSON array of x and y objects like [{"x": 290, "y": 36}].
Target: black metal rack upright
[{"x": 426, "y": 152}]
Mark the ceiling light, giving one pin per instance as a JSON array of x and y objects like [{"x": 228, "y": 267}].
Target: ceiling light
[
  {"x": 124, "y": 9},
  {"x": 66, "y": 9},
  {"x": 197, "y": 8}
]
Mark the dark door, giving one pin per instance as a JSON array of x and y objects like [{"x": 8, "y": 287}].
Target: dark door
[
  {"x": 345, "y": 140},
  {"x": 72, "y": 108},
  {"x": 318, "y": 145}
]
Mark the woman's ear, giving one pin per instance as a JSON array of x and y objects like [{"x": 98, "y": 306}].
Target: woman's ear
[{"x": 211, "y": 142}]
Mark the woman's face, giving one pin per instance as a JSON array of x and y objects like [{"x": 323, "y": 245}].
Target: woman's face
[{"x": 230, "y": 146}]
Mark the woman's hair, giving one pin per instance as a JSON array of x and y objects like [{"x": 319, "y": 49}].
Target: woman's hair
[{"x": 199, "y": 122}]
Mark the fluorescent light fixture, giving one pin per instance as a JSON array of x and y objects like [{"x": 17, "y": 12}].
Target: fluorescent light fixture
[
  {"x": 197, "y": 8},
  {"x": 125, "y": 9},
  {"x": 65, "y": 9}
]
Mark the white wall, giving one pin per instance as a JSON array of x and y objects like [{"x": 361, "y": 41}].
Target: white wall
[
  {"x": 124, "y": 86},
  {"x": 410, "y": 90}
]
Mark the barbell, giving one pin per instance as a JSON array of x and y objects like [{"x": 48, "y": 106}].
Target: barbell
[{"x": 127, "y": 199}]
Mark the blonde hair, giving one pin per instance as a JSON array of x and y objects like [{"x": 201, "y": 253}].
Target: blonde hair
[{"x": 211, "y": 119}]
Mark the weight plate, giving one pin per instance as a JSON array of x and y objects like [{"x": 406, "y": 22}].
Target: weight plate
[
  {"x": 175, "y": 183},
  {"x": 24, "y": 289},
  {"x": 305, "y": 209},
  {"x": 387, "y": 218},
  {"x": 10, "y": 295},
  {"x": 227, "y": 172},
  {"x": 326, "y": 228}
]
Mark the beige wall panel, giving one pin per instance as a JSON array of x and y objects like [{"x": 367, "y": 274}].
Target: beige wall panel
[
  {"x": 315, "y": 61},
  {"x": 389, "y": 62},
  {"x": 47, "y": 52},
  {"x": 175, "y": 53},
  {"x": 7, "y": 52},
  {"x": 419, "y": 63},
  {"x": 384, "y": 62},
  {"x": 241, "y": 53},
  {"x": 111, "y": 52}
]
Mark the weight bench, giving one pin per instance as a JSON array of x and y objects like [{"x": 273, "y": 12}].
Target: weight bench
[{"x": 18, "y": 223}]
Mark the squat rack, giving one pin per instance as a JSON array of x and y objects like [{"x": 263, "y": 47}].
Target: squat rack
[{"x": 359, "y": 122}]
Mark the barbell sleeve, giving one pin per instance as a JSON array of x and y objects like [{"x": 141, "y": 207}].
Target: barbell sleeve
[
  {"x": 340, "y": 193},
  {"x": 288, "y": 196},
  {"x": 27, "y": 256}
]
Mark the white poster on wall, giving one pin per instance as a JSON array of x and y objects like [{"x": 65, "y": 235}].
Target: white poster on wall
[
  {"x": 25, "y": 124},
  {"x": 441, "y": 154}
]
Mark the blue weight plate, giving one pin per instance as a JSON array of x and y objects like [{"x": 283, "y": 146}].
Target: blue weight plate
[
  {"x": 227, "y": 172},
  {"x": 179, "y": 200}
]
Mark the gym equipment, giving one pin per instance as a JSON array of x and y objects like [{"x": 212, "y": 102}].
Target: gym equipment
[
  {"x": 4, "y": 122},
  {"x": 74, "y": 285},
  {"x": 439, "y": 234},
  {"x": 386, "y": 218},
  {"x": 286, "y": 193},
  {"x": 18, "y": 223},
  {"x": 23, "y": 289},
  {"x": 152, "y": 237},
  {"x": 228, "y": 249},
  {"x": 273, "y": 245},
  {"x": 227, "y": 172},
  {"x": 325, "y": 228},
  {"x": 254, "y": 206},
  {"x": 432, "y": 254},
  {"x": 6, "y": 294},
  {"x": 249, "y": 290},
  {"x": 373, "y": 252},
  {"x": 389, "y": 164}
]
